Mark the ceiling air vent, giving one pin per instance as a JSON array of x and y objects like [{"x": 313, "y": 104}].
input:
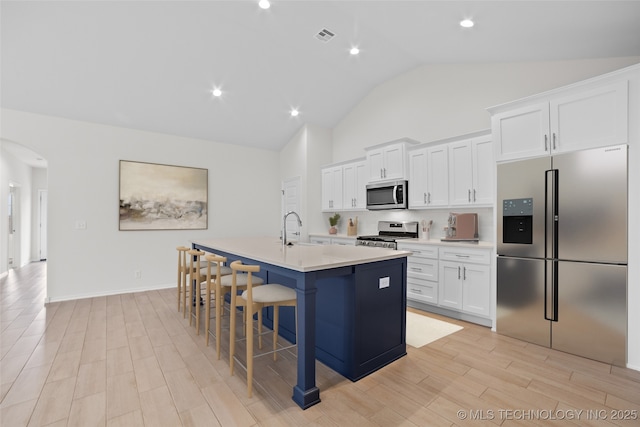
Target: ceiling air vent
[{"x": 325, "y": 35}]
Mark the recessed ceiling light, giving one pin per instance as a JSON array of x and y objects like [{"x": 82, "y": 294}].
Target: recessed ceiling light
[
  {"x": 466, "y": 23},
  {"x": 354, "y": 50},
  {"x": 216, "y": 92},
  {"x": 294, "y": 112},
  {"x": 264, "y": 4}
]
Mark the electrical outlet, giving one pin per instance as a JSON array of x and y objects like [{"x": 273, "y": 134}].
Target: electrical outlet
[{"x": 137, "y": 274}]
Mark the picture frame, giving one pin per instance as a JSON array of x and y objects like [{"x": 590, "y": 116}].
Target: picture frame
[{"x": 156, "y": 196}]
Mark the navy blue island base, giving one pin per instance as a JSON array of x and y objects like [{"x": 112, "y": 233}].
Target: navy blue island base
[{"x": 351, "y": 317}]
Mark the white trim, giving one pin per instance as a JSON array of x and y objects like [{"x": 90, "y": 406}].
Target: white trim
[{"x": 104, "y": 294}]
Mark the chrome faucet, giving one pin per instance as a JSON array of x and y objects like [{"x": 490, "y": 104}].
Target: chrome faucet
[{"x": 284, "y": 226}]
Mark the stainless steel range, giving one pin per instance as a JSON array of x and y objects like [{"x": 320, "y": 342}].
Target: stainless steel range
[{"x": 388, "y": 233}]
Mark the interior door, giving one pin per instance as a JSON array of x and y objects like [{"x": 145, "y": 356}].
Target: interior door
[
  {"x": 291, "y": 202},
  {"x": 42, "y": 209}
]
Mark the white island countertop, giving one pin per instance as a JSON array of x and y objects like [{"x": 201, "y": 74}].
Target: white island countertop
[{"x": 303, "y": 257}]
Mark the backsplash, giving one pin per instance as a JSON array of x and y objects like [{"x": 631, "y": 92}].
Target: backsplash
[{"x": 368, "y": 220}]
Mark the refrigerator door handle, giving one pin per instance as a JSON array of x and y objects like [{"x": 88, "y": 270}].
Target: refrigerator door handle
[
  {"x": 551, "y": 291},
  {"x": 551, "y": 214}
]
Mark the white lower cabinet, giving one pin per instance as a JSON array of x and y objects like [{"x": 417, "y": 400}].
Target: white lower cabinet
[
  {"x": 323, "y": 240},
  {"x": 465, "y": 283},
  {"x": 422, "y": 273},
  {"x": 348, "y": 241},
  {"x": 320, "y": 240},
  {"x": 457, "y": 279}
]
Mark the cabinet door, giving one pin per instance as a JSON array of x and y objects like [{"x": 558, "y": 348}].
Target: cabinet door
[
  {"x": 332, "y": 188},
  {"x": 523, "y": 132},
  {"x": 483, "y": 171},
  {"x": 476, "y": 289},
  {"x": 327, "y": 188},
  {"x": 418, "y": 178},
  {"x": 349, "y": 186},
  {"x": 590, "y": 119},
  {"x": 320, "y": 240},
  {"x": 437, "y": 176},
  {"x": 343, "y": 241},
  {"x": 394, "y": 162},
  {"x": 354, "y": 186},
  {"x": 450, "y": 286},
  {"x": 360, "y": 189},
  {"x": 460, "y": 173},
  {"x": 375, "y": 165},
  {"x": 422, "y": 290}
]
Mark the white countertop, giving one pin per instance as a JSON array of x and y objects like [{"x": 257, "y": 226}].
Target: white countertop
[
  {"x": 437, "y": 242},
  {"x": 480, "y": 245},
  {"x": 302, "y": 257}
]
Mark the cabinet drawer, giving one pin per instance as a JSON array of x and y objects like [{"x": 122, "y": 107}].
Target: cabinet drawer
[
  {"x": 422, "y": 268},
  {"x": 420, "y": 251},
  {"x": 422, "y": 290},
  {"x": 477, "y": 256}
]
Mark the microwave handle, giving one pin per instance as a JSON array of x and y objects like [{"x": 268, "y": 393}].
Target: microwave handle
[{"x": 395, "y": 194}]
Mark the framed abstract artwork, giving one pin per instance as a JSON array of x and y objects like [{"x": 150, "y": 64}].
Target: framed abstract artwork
[{"x": 162, "y": 197}]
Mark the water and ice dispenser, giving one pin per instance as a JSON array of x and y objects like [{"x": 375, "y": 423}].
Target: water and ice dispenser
[{"x": 517, "y": 221}]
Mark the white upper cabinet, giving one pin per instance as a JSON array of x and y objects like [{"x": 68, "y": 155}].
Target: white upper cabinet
[
  {"x": 344, "y": 186},
  {"x": 585, "y": 115},
  {"x": 354, "y": 185},
  {"x": 593, "y": 118},
  {"x": 332, "y": 188},
  {"x": 388, "y": 161},
  {"x": 428, "y": 177},
  {"x": 471, "y": 168},
  {"x": 521, "y": 133},
  {"x": 437, "y": 176}
]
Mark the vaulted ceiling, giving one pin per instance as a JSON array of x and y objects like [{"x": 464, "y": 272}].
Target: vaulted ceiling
[{"x": 152, "y": 65}]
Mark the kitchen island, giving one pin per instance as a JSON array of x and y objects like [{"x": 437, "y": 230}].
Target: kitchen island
[{"x": 351, "y": 303}]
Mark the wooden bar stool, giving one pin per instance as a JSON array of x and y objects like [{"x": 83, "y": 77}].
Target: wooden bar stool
[
  {"x": 227, "y": 283},
  {"x": 254, "y": 299},
  {"x": 197, "y": 278},
  {"x": 183, "y": 272},
  {"x": 215, "y": 271}
]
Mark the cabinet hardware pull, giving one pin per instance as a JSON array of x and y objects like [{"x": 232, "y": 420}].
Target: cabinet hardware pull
[
  {"x": 462, "y": 256},
  {"x": 458, "y": 272},
  {"x": 554, "y": 140},
  {"x": 429, "y": 197},
  {"x": 417, "y": 291},
  {"x": 546, "y": 145},
  {"x": 474, "y": 194},
  {"x": 425, "y": 198},
  {"x": 416, "y": 269},
  {"x": 469, "y": 195},
  {"x": 385, "y": 172},
  {"x": 464, "y": 273}
]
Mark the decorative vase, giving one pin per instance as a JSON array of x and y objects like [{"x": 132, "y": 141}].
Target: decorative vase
[{"x": 333, "y": 230}]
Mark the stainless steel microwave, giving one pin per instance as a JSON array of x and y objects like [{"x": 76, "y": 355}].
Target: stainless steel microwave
[{"x": 387, "y": 195}]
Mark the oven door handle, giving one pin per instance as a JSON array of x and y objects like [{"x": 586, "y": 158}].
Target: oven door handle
[{"x": 395, "y": 194}]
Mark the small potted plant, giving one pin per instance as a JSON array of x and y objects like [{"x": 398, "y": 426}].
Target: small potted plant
[{"x": 333, "y": 221}]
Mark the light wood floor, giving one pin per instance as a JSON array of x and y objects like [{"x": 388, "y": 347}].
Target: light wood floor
[{"x": 132, "y": 360}]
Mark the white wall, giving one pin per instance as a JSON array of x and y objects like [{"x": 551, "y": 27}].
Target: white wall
[
  {"x": 83, "y": 184},
  {"x": 303, "y": 156}
]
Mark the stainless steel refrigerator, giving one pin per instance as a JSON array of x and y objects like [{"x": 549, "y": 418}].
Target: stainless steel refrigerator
[{"x": 562, "y": 252}]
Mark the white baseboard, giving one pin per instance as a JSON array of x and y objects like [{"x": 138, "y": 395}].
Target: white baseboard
[{"x": 104, "y": 294}]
